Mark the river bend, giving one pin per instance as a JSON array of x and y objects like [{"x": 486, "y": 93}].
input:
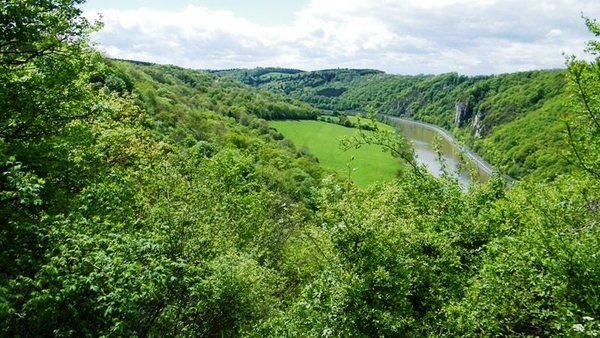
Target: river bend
[{"x": 422, "y": 135}]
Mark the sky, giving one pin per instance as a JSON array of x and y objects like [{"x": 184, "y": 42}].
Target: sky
[{"x": 470, "y": 37}]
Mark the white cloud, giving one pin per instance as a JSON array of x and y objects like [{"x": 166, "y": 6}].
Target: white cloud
[{"x": 411, "y": 36}]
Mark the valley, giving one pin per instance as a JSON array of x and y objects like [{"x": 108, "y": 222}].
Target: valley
[{"x": 151, "y": 200}]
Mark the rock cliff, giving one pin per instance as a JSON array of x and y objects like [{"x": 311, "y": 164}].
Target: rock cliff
[
  {"x": 477, "y": 124},
  {"x": 462, "y": 113}
]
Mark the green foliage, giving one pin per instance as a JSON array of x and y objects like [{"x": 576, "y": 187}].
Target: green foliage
[
  {"x": 393, "y": 260},
  {"x": 541, "y": 280},
  {"x": 530, "y": 146},
  {"x": 140, "y": 207},
  {"x": 32, "y": 31},
  {"x": 45, "y": 62},
  {"x": 583, "y": 120},
  {"x": 146, "y": 200},
  {"x": 201, "y": 91}
]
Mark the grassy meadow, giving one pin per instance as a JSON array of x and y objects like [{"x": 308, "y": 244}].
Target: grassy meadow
[{"x": 370, "y": 163}]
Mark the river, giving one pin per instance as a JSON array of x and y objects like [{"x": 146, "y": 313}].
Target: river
[{"x": 423, "y": 136}]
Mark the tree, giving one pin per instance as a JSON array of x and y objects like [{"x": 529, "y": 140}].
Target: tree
[
  {"x": 583, "y": 121},
  {"x": 45, "y": 62},
  {"x": 31, "y": 30},
  {"x": 44, "y": 59}
]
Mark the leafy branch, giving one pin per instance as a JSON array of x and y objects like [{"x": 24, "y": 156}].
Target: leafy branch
[{"x": 391, "y": 142}]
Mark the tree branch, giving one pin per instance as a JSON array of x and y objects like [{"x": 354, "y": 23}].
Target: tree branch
[
  {"x": 585, "y": 100},
  {"x": 577, "y": 154}
]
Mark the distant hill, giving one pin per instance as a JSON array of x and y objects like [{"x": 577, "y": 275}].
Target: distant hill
[{"x": 256, "y": 75}]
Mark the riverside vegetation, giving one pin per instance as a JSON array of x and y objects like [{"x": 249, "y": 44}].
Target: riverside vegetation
[{"x": 148, "y": 200}]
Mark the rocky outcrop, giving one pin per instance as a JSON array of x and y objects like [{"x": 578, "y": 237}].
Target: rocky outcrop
[
  {"x": 403, "y": 109},
  {"x": 477, "y": 124},
  {"x": 462, "y": 113}
]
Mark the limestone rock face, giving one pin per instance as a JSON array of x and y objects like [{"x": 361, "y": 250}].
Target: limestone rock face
[
  {"x": 477, "y": 124},
  {"x": 462, "y": 113}
]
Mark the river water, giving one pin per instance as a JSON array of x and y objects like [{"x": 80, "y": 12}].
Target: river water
[{"x": 458, "y": 160}]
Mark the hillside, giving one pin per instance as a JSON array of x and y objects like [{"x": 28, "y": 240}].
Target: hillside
[{"x": 154, "y": 201}]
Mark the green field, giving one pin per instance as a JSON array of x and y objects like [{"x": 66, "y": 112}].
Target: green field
[{"x": 371, "y": 164}]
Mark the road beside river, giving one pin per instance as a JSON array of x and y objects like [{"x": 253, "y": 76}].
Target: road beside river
[{"x": 422, "y": 135}]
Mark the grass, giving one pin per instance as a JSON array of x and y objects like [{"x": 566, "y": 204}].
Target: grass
[{"x": 370, "y": 163}]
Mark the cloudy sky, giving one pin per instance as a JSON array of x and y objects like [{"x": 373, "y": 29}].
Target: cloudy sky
[{"x": 398, "y": 36}]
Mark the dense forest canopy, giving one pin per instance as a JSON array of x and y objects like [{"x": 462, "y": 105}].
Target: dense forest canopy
[{"x": 150, "y": 200}]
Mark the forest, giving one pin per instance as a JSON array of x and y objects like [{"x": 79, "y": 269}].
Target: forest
[{"x": 154, "y": 201}]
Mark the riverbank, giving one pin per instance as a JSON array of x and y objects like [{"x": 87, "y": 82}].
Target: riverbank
[{"x": 476, "y": 159}]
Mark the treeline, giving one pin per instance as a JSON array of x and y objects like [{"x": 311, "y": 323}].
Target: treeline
[
  {"x": 255, "y": 76},
  {"x": 145, "y": 200},
  {"x": 343, "y": 120},
  {"x": 319, "y": 88}
]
